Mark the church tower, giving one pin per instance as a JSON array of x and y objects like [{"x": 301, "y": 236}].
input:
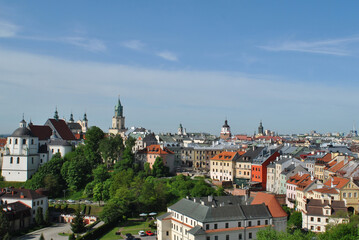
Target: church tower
[
  {"x": 118, "y": 120},
  {"x": 225, "y": 131},
  {"x": 260, "y": 129}
]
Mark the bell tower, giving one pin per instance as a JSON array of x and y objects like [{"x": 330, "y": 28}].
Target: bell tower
[{"x": 118, "y": 120}]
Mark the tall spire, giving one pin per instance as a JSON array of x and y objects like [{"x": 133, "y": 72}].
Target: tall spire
[
  {"x": 85, "y": 117},
  {"x": 56, "y": 116},
  {"x": 71, "y": 118},
  {"x": 119, "y": 108}
]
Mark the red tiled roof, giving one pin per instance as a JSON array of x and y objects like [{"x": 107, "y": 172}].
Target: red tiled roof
[
  {"x": 271, "y": 202},
  {"x": 156, "y": 149},
  {"x": 42, "y": 132},
  {"x": 227, "y": 156},
  {"x": 326, "y": 190},
  {"x": 240, "y": 153},
  {"x": 337, "y": 167},
  {"x": 62, "y": 129},
  {"x": 300, "y": 181},
  {"x": 326, "y": 158},
  {"x": 2, "y": 142},
  {"x": 338, "y": 182}
]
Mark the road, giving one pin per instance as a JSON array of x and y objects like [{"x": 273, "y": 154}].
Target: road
[{"x": 49, "y": 232}]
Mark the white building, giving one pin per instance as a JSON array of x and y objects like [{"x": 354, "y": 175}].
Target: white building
[
  {"x": 31, "y": 198},
  {"x": 213, "y": 218}
]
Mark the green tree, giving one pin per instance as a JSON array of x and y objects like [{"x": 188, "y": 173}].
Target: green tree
[
  {"x": 4, "y": 224},
  {"x": 93, "y": 137},
  {"x": 113, "y": 210},
  {"x": 295, "y": 220},
  {"x": 78, "y": 225},
  {"x": 111, "y": 149},
  {"x": 100, "y": 174},
  {"x": 147, "y": 168},
  {"x": 39, "y": 217},
  {"x": 201, "y": 189},
  {"x": 47, "y": 216},
  {"x": 72, "y": 237},
  {"x": 159, "y": 169}
]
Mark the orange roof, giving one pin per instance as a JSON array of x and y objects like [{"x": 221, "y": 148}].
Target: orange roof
[
  {"x": 271, "y": 202},
  {"x": 227, "y": 156},
  {"x": 156, "y": 149},
  {"x": 297, "y": 179},
  {"x": 240, "y": 153},
  {"x": 337, "y": 167},
  {"x": 326, "y": 158},
  {"x": 326, "y": 190},
  {"x": 338, "y": 182}
]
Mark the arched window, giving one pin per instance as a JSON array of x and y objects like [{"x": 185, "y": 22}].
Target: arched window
[
  {"x": 16, "y": 141},
  {"x": 24, "y": 141},
  {"x": 11, "y": 160},
  {"x": 18, "y": 160}
]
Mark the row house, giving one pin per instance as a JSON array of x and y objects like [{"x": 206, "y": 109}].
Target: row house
[
  {"x": 349, "y": 191},
  {"x": 222, "y": 166},
  {"x": 302, "y": 189},
  {"x": 292, "y": 184},
  {"x": 260, "y": 163},
  {"x": 244, "y": 164},
  {"x": 154, "y": 151}
]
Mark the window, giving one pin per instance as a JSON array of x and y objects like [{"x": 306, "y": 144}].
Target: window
[
  {"x": 318, "y": 220},
  {"x": 345, "y": 195},
  {"x": 32, "y": 141},
  {"x": 311, "y": 228},
  {"x": 215, "y": 237},
  {"x": 11, "y": 160},
  {"x": 355, "y": 195},
  {"x": 16, "y": 141},
  {"x": 227, "y": 237},
  {"x": 208, "y": 238},
  {"x": 18, "y": 160},
  {"x": 10, "y": 141},
  {"x": 327, "y": 220},
  {"x": 312, "y": 219},
  {"x": 259, "y": 222},
  {"x": 24, "y": 141},
  {"x": 318, "y": 228},
  {"x": 349, "y": 195},
  {"x": 167, "y": 233},
  {"x": 249, "y": 223},
  {"x": 240, "y": 236},
  {"x": 32, "y": 160},
  {"x": 266, "y": 222},
  {"x": 207, "y": 226},
  {"x": 215, "y": 226},
  {"x": 226, "y": 225},
  {"x": 250, "y": 235},
  {"x": 239, "y": 224}
]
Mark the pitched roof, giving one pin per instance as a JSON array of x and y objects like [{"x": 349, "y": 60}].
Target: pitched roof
[
  {"x": 17, "y": 193},
  {"x": 337, "y": 166},
  {"x": 42, "y": 132},
  {"x": 227, "y": 156},
  {"x": 271, "y": 202},
  {"x": 315, "y": 207},
  {"x": 338, "y": 182},
  {"x": 326, "y": 190},
  {"x": 15, "y": 210},
  {"x": 156, "y": 149},
  {"x": 61, "y": 128}
]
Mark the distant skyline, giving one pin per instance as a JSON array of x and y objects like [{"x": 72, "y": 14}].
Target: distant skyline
[{"x": 292, "y": 65}]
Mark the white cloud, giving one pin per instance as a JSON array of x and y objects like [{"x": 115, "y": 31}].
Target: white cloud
[
  {"x": 7, "y": 29},
  {"x": 92, "y": 45},
  {"x": 170, "y": 56},
  {"x": 159, "y": 99},
  {"x": 133, "y": 44},
  {"x": 337, "y": 47}
]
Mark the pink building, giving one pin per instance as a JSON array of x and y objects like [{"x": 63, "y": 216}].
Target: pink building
[
  {"x": 292, "y": 184},
  {"x": 154, "y": 151}
]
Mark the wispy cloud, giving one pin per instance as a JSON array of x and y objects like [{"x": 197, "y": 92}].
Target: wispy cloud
[
  {"x": 337, "y": 47},
  {"x": 92, "y": 45},
  {"x": 133, "y": 44},
  {"x": 170, "y": 56},
  {"x": 8, "y": 29}
]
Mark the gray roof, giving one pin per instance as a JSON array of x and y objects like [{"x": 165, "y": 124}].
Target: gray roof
[
  {"x": 250, "y": 154},
  {"x": 226, "y": 208},
  {"x": 163, "y": 216},
  {"x": 74, "y": 125},
  {"x": 22, "y": 132},
  {"x": 59, "y": 142},
  {"x": 197, "y": 230}
]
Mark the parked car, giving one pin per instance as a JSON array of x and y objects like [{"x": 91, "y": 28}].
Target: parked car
[
  {"x": 149, "y": 233},
  {"x": 71, "y": 201},
  {"x": 142, "y": 233},
  {"x": 129, "y": 236}
]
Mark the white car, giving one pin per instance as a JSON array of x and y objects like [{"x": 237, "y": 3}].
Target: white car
[
  {"x": 71, "y": 201},
  {"x": 142, "y": 233}
]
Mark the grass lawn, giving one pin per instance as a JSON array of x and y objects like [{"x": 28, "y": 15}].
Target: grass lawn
[{"x": 132, "y": 226}]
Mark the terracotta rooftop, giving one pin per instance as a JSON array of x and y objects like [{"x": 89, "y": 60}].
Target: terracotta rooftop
[
  {"x": 301, "y": 181},
  {"x": 156, "y": 149},
  {"x": 16, "y": 193},
  {"x": 62, "y": 129},
  {"x": 225, "y": 156},
  {"x": 337, "y": 166},
  {"x": 326, "y": 190},
  {"x": 338, "y": 182},
  {"x": 271, "y": 202}
]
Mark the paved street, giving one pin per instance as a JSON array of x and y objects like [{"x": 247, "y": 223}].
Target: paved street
[{"x": 49, "y": 232}]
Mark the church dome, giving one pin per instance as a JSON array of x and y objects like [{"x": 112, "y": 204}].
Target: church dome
[
  {"x": 22, "y": 132},
  {"x": 226, "y": 124}
]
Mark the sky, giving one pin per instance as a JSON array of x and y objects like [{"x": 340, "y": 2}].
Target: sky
[{"x": 291, "y": 64}]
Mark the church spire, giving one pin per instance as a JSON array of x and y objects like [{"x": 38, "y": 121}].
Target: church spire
[
  {"x": 119, "y": 108},
  {"x": 56, "y": 116},
  {"x": 71, "y": 118}
]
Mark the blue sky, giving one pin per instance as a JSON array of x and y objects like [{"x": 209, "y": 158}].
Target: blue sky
[{"x": 293, "y": 64}]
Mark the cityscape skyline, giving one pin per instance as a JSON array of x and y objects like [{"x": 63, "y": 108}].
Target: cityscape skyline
[{"x": 204, "y": 63}]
